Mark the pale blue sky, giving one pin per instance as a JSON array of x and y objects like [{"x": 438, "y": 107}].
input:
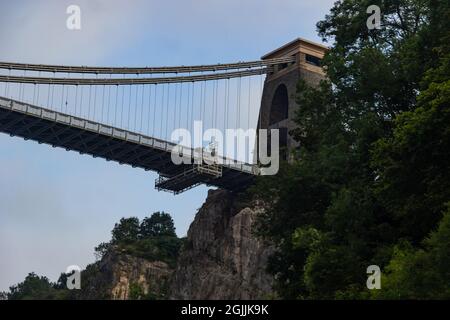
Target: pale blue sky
[{"x": 56, "y": 206}]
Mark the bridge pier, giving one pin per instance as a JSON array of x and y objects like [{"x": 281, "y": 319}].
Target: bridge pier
[{"x": 278, "y": 103}]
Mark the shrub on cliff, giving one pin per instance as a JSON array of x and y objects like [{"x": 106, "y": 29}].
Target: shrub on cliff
[{"x": 153, "y": 239}]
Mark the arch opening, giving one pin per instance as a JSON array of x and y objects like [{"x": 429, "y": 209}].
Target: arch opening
[{"x": 279, "y": 110}]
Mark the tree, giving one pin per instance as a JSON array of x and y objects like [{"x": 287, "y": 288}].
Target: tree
[
  {"x": 422, "y": 273},
  {"x": 412, "y": 164},
  {"x": 158, "y": 225},
  {"x": 126, "y": 231},
  {"x": 101, "y": 250},
  {"x": 372, "y": 168},
  {"x": 136, "y": 292},
  {"x": 154, "y": 239},
  {"x": 32, "y": 288},
  {"x": 157, "y": 242}
]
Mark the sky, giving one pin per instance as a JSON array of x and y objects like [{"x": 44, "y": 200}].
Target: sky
[{"x": 56, "y": 206}]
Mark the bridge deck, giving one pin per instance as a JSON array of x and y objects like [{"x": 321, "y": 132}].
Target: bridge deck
[{"x": 113, "y": 144}]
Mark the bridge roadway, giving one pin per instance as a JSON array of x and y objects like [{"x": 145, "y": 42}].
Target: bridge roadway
[{"x": 113, "y": 144}]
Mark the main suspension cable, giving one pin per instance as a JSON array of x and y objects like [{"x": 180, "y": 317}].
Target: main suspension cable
[
  {"x": 131, "y": 81},
  {"x": 145, "y": 70}
]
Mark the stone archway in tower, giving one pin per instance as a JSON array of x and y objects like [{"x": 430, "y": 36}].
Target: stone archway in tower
[{"x": 279, "y": 109}]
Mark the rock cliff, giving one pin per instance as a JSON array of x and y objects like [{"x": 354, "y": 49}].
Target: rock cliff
[
  {"x": 222, "y": 259},
  {"x": 121, "y": 276}
]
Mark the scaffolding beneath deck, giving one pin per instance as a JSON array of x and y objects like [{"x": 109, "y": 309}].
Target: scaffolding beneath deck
[{"x": 201, "y": 173}]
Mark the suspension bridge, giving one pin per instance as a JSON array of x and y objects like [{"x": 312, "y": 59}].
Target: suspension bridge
[{"x": 128, "y": 114}]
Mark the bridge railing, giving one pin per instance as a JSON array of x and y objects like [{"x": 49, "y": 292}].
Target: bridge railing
[
  {"x": 150, "y": 106},
  {"x": 196, "y": 156}
]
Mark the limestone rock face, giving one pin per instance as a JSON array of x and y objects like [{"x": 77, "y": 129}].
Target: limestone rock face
[
  {"x": 117, "y": 273},
  {"x": 151, "y": 277},
  {"x": 222, "y": 259}
]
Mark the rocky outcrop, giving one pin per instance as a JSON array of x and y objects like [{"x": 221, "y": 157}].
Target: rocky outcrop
[
  {"x": 150, "y": 278},
  {"x": 120, "y": 276},
  {"x": 222, "y": 259}
]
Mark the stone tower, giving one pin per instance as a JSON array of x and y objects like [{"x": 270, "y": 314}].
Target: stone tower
[{"x": 278, "y": 103}]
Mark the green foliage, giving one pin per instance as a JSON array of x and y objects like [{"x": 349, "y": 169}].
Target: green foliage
[
  {"x": 372, "y": 176},
  {"x": 413, "y": 164},
  {"x": 33, "y": 288},
  {"x": 331, "y": 270},
  {"x": 154, "y": 249},
  {"x": 309, "y": 239},
  {"x": 126, "y": 231},
  {"x": 154, "y": 239},
  {"x": 136, "y": 292},
  {"x": 160, "y": 224},
  {"x": 95, "y": 284},
  {"x": 101, "y": 250},
  {"x": 422, "y": 273}
]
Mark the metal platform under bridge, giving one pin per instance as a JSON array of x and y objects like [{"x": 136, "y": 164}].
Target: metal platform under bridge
[{"x": 98, "y": 140}]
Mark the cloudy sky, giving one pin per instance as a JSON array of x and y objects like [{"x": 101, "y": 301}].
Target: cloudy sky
[{"x": 56, "y": 206}]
